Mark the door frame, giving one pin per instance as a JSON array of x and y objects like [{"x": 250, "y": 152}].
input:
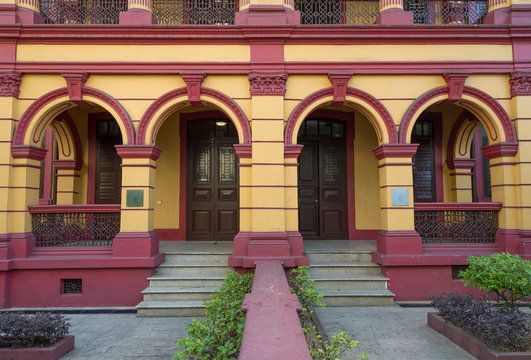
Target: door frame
[{"x": 180, "y": 233}]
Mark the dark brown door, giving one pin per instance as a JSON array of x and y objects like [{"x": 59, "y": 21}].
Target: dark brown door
[
  {"x": 213, "y": 212},
  {"x": 108, "y": 178},
  {"x": 322, "y": 181}
]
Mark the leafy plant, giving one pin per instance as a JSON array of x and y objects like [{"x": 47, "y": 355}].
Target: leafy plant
[
  {"x": 39, "y": 330},
  {"x": 219, "y": 335},
  {"x": 506, "y": 275},
  {"x": 502, "y": 329},
  {"x": 308, "y": 293}
]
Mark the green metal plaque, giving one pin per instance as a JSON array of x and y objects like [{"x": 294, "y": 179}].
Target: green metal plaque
[{"x": 135, "y": 198}]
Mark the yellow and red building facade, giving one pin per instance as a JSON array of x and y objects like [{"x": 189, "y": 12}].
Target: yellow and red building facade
[{"x": 405, "y": 126}]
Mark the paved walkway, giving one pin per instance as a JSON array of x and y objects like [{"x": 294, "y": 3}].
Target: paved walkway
[{"x": 386, "y": 333}]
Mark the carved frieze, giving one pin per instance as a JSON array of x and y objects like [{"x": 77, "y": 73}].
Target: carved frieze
[
  {"x": 520, "y": 83},
  {"x": 268, "y": 83},
  {"x": 10, "y": 84}
]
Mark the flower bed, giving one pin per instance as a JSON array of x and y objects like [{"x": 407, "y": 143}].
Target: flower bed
[{"x": 52, "y": 352}]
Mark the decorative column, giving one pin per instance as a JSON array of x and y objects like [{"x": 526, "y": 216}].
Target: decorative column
[
  {"x": 137, "y": 237},
  {"x": 267, "y": 12},
  {"x": 28, "y": 12},
  {"x": 499, "y": 12},
  {"x": 392, "y": 13},
  {"x": 461, "y": 178},
  {"x": 397, "y": 235},
  {"x": 503, "y": 163},
  {"x": 139, "y": 13}
]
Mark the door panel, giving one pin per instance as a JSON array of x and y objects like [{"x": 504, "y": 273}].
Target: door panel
[
  {"x": 213, "y": 211},
  {"x": 108, "y": 180}
]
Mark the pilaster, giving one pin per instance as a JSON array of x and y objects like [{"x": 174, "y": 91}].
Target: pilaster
[
  {"x": 392, "y": 13},
  {"x": 139, "y": 13},
  {"x": 267, "y": 12}
]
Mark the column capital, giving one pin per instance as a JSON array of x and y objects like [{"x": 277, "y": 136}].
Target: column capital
[
  {"x": 28, "y": 152},
  {"x": 138, "y": 152},
  {"x": 460, "y": 163},
  {"x": 243, "y": 151},
  {"x": 508, "y": 149},
  {"x": 10, "y": 84},
  {"x": 292, "y": 150},
  {"x": 395, "y": 151}
]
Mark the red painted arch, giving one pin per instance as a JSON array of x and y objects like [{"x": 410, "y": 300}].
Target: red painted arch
[
  {"x": 371, "y": 100},
  {"x": 29, "y": 114},
  {"x": 452, "y": 140},
  {"x": 490, "y": 102},
  {"x": 147, "y": 118},
  {"x": 76, "y": 140}
]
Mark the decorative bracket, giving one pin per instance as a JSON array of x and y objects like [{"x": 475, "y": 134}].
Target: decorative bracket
[
  {"x": 456, "y": 84},
  {"x": 10, "y": 84},
  {"x": 339, "y": 85},
  {"x": 193, "y": 87},
  {"x": 74, "y": 84}
]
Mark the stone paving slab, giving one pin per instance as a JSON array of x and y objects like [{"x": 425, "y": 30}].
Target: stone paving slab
[{"x": 390, "y": 333}]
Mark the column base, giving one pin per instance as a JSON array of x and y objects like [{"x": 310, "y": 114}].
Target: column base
[
  {"x": 525, "y": 244},
  {"x": 509, "y": 240},
  {"x": 135, "y": 244},
  {"x": 404, "y": 242},
  {"x": 136, "y": 17},
  {"x": 284, "y": 247},
  {"x": 28, "y": 17},
  {"x": 395, "y": 17},
  {"x": 21, "y": 244},
  {"x": 267, "y": 15},
  {"x": 498, "y": 17}
]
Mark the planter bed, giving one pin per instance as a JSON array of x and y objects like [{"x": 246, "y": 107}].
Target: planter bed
[
  {"x": 470, "y": 343},
  {"x": 53, "y": 352}
]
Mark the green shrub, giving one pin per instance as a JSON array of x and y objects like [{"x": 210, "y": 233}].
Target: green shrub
[
  {"x": 306, "y": 290},
  {"x": 508, "y": 276},
  {"x": 219, "y": 335}
]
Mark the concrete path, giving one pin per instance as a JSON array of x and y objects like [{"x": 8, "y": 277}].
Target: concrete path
[
  {"x": 386, "y": 333},
  {"x": 391, "y": 333}
]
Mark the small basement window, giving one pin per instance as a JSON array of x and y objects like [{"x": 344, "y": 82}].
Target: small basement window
[
  {"x": 71, "y": 286},
  {"x": 456, "y": 269}
]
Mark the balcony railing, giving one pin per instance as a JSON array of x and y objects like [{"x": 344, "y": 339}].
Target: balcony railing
[
  {"x": 439, "y": 223},
  {"x": 82, "y": 11},
  {"x": 330, "y": 12},
  {"x": 447, "y": 12},
  {"x": 195, "y": 12},
  {"x": 75, "y": 225}
]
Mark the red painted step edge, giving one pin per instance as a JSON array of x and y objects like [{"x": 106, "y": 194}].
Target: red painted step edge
[
  {"x": 272, "y": 326},
  {"x": 53, "y": 352},
  {"x": 469, "y": 343}
]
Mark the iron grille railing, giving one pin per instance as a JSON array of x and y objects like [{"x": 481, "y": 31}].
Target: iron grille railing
[
  {"x": 195, "y": 12},
  {"x": 329, "y": 12},
  {"x": 82, "y": 11},
  {"x": 452, "y": 225},
  {"x": 447, "y": 12},
  {"x": 67, "y": 226}
]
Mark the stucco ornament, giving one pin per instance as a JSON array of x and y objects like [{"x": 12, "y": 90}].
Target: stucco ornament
[
  {"x": 268, "y": 83},
  {"x": 10, "y": 84},
  {"x": 520, "y": 83}
]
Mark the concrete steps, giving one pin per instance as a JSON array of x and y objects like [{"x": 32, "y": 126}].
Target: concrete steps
[
  {"x": 349, "y": 278},
  {"x": 183, "y": 283}
]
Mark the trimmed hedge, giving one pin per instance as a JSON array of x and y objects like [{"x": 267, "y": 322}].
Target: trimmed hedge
[{"x": 39, "y": 330}]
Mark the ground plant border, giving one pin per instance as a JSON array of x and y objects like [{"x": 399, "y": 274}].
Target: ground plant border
[
  {"x": 469, "y": 343},
  {"x": 52, "y": 352}
]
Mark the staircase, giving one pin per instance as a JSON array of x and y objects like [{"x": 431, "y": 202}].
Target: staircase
[
  {"x": 349, "y": 278},
  {"x": 189, "y": 276}
]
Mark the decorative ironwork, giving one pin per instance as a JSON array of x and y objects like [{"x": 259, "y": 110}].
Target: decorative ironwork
[
  {"x": 440, "y": 12},
  {"x": 456, "y": 226},
  {"x": 328, "y": 12},
  {"x": 202, "y": 163},
  {"x": 72, "y": 286},
  {"x": 227, "y": 164},
  {"x": 195, "y": 12},
  {"x": 82, "y": 11},
  {"x": 75, "y": 228}
]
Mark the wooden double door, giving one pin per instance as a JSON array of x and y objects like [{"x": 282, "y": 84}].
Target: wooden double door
[
  {"x": 322, "y": 180},
  {"x": 212, "y": 180}
]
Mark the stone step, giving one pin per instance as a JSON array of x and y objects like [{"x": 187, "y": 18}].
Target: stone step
[
  {"x": 192, "y": 269},
  {"x": 339, "y": 256},
  {"x": 159, "y": 280},
  {"x": 334, "y": 298},
  {"x": 202, "y": 293},
  {"x": 355, "y": 282},
  {"x": 170, "y": 308},
  {"x": 344, "y": 269},
  {"x": 199, "y": 258}
]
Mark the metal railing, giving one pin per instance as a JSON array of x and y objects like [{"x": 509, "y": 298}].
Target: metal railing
[
  {"x": 330, "y": 12},
  {"x": 439, "y": 223},
  {"x": 75, "y": 225},
  {"x": 82, "y": 11},
  {"x": 447, "y": 12},
  {"x": 195, "y": 12}
]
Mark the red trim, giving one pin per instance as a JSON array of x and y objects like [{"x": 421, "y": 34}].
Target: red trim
[
  {"x": 339, "y": 82},
  {"x": 75, "y": 83},
  {"x": 147, "y": 118},
  {"x": 507, "y": 149},
  {"x": 138, "y": 152},
  {"x": 450, "y": 150},
  {"x": 395, "y": 164},
  {"x": 64, "y": 164},
  {"x": 75, "y": 137},
  {"x": 193, "y": 87},
  {"x": 60, "y": 209},
  {"x": 48, "y": 161},
  {"x": 438, "y": 134},
  {"x": 395, "y": 151},
  {"x": 356, "y": 93},
  {"x": 461, "y": 163},
  {"x": 458, "y": 206},
  {"x": 28, "y": 152},
  {"x": 170, "y": 234},
  {"x": 139, "y": 165},
  {"x": 292, "y": 151},
  {"x": 490, "y": 102},
  {"x": 243, "y": 151},
  {"x": 35, "y": 107},
  {"x": 54, "y": 351},
  {"x": 268, "y": 83},
  {"x": 456, "y": 84}
]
